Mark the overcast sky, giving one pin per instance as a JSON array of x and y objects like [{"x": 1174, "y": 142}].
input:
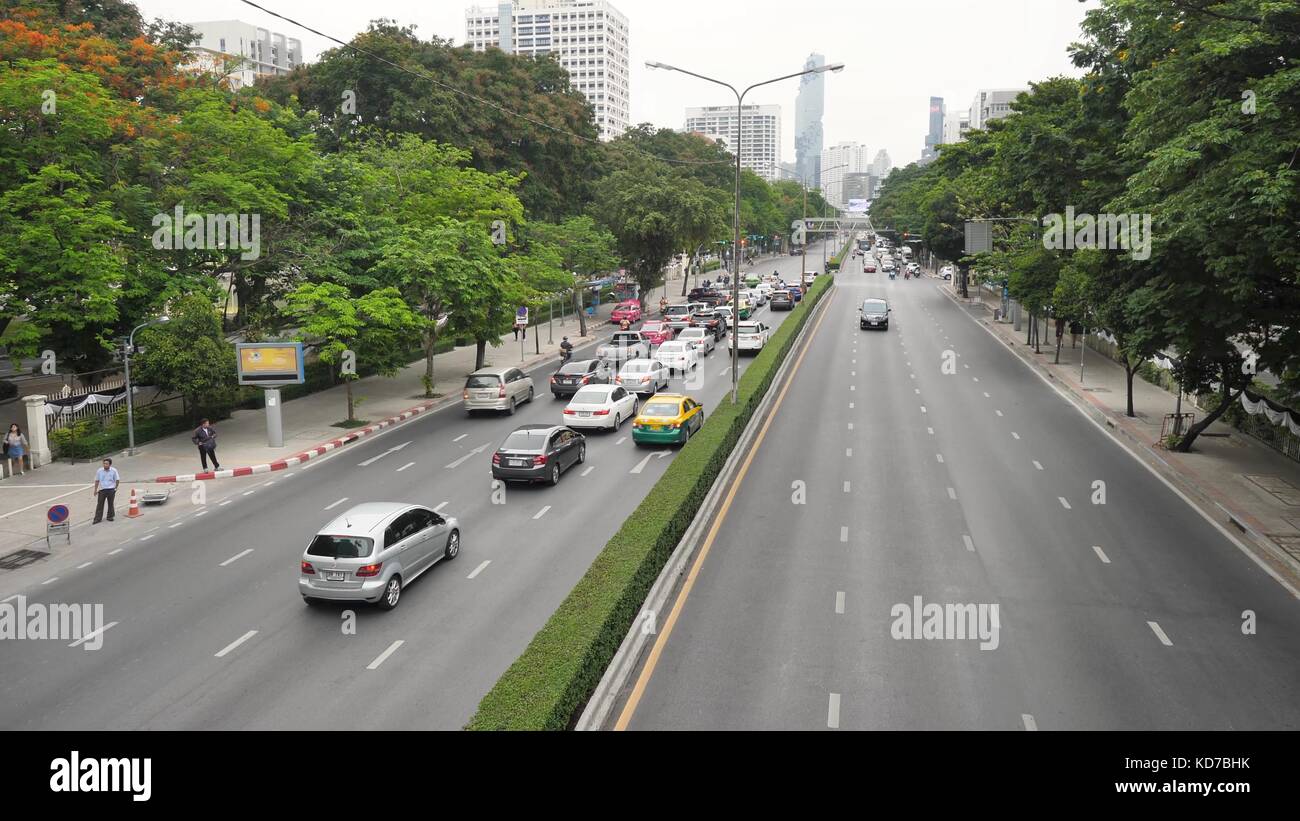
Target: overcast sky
[{"x": 897, "y": 52}]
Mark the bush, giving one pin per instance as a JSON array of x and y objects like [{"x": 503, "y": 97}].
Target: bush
[
  {"x": 87, "y": 440},
  {"x": 565, "y": 660}
]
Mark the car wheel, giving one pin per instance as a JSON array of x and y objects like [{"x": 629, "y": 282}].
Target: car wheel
[
  {"x": 511, "y": 410},
  {"x": 618, "y": 421},
  {"x": 530, "y": 395},
  {"x": 392, "y": 594},
  {"x": 453, "y": 546},
  {"x": 582, "y": 453},
  {"x": 555, "y": 474},
  {"x": 310, "y": 602}
]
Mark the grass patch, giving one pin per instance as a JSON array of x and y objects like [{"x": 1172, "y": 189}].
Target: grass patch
[
  {"x": 355, "y": 423},
  {"x": 562, "y": 665}
]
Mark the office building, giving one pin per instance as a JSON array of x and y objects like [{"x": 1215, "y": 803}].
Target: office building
[
  {"x": 956, "y": 127},
  {"x": 882, "y": 165},
  {"x": 759, "y": 133},
  {"x": 243, "y": 51},
  {"x": 992, "y": 104},
  {"x": 588, "y": 37},
  {"x": 837, "y": 162},
  {"x": 809, "y": 107},
  {"x": 934, "y": 136}
]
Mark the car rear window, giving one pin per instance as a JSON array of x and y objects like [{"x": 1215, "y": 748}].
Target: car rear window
[
  {"x": 653, "y": 327},
  {"x": 490, "y": 381},
  {"x": 341, "y": 547},
  {"x": 526, "y": 440},
  {"x": 574, "y": 367},
  {"x": 746, "y": 328},
  {"x": 637, "y": 366},
  {"x": 672, "y": 347},
  {"x": 591, "y": 396},
  {"x": 661, "y": 409}
]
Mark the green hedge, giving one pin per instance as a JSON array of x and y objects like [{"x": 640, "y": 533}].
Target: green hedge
[
  {"x": 563, "y": 663},
  {"x": 83, "y": 441}
]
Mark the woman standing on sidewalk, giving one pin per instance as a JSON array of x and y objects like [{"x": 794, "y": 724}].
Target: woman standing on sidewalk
[{"x": 15, "y": 447}]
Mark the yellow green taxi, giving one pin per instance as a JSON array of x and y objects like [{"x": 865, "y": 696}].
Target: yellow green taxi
[
  {"x": 745, "y": 308},
  {"x": 667, "y": 419}
]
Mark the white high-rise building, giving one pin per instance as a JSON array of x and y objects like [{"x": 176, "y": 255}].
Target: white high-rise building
[
  {"x": 882, "y": 165},
  {"x": 760, "y": 138},
  {"x": 244, "y": 51},
  {"x": 992, "y": 104},
  {"x": 838, "y": 161},
  {"x": 955, "y": 127},
  {"x": 588, "y": 37}
]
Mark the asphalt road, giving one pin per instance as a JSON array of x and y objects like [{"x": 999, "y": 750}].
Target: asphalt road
[
  {"x": 973, "y": 487},
  {"x": 207, "y": 635}
]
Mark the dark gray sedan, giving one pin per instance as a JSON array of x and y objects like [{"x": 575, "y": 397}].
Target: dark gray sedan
[
  {"x": 538, "y": 453},
  {"x": 573, "y": 376}
]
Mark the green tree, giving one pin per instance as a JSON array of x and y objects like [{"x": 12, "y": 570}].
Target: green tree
[
  {"x": 580, "y": 247},
  {"x": 190, "y": 356}
]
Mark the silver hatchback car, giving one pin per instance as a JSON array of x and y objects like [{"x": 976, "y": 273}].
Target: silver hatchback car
[{"x": 370, "y": 552}]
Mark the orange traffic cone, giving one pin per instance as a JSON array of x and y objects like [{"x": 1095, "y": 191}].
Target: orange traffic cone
[{"x": 134, "y": 510}]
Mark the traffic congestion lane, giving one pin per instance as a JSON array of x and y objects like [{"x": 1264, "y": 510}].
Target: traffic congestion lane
[
  {"x": 1112, "y": 577},
  {"x": 791, "y": 608},
  {"x": 198, "y": 612}
]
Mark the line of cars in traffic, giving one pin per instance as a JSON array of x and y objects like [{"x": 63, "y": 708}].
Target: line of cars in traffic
[{"x": 372, "y": 551}]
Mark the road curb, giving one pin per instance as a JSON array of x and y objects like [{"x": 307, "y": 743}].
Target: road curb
[
  {"x": 631, "y": 652},
  {"x": 1276, "y": 562}
]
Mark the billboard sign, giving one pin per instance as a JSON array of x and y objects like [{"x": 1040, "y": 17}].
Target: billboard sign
[
  {"x": 857, "y": 206},
  {"x": 269, "y": 364}
]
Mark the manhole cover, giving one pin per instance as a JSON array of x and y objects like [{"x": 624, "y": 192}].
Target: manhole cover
[{"x": 20, "y": 558}]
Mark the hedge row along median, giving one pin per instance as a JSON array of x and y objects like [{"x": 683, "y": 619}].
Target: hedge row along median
[{"x": 563, "y": 663}]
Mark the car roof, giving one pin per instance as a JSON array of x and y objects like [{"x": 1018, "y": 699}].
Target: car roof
[
  {"x": 500, "y": 371},
  {"x": 364, "y": 519},
  {"x": 668, "y": 397}
]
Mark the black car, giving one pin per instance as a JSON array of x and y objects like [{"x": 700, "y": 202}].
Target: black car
[
  {"x": 538, "y": 453},
  {"x": 874, "y": 313},
  {"x": 573, "y": 375},
  {"x": 712, "y": 322},
  {"x": 781, "y": 301}
]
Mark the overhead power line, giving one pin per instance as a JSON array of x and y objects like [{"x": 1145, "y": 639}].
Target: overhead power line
[{"x": 480, "y": 100}]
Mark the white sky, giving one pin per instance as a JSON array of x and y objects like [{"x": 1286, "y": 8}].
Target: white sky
[{"x": 897, "y": 52}]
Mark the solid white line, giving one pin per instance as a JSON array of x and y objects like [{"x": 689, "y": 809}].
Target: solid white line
[
  {"x": 970, "y": 543},
  {"x": 249, "y": 492},
  {"x": 833, "y": 713},
  {"x": 92, "y": 634},
  {"x": 1100, "y": 555},
  {"x": 1038, "y": 464},
  {"x": 85, "y": 564},
  {"x": 392, "y": 648},
  {"x": 1160, "y": 634},
  {"x": 839, "y": 603},
  {"x": 846, "y": 487},
  {"x": 1030, "y": 724},
  {"x": 178, "y": 524},
  {"x": 405, "y": 466},
  {"x": 952, "y": 494},
  {"x": 236, "y": 643},
  {"x": 146, "y": 538},
  {"x": 458, "y": 438},
  {"x": 1064, "y": 503},
  {"x": 479, "y": 569},
  {"x": 844, "y": 534},
  {"x": 589, "y": 469},
  {"x": 236, "y": 557},
  {"x": 37, "y": 504},
  {"x": 50, "y": 579},
  {"x": 542, "y": 512},
  {"x": 223, "y": 504},
  {"x": 621, "y": 440},
  {"x": 11, "y": 598},
  {"x": 333, "y": 505},
  {"x": 115, "y": 552},
  {"x": 439, "y": 508},
  {"x": 200, "y": 513},
  {"x": 268, "y": 484}
]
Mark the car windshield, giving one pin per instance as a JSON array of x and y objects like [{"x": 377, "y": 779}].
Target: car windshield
[
  {"x": 591, "y": 396},
  {"x": 661, "y": 409},
  {"x": 637, "y": 366},
  {"x": 677, "y": 309},
  {"x": 574, "y": 367},
  {"x": 653, "y": 326},
  {"x": 526, "y": 440},
  {"x": 626, "y": 339},
  {"x": 483, "y": 382},
  {"x": 340, "y": 547},
  {"x": 747, "y": 328},
  {"x": 874, "y": 306}
]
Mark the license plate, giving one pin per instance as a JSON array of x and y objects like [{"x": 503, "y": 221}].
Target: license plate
[
  {"x": 335, "y": 575},
  {"x": 517, "y": 463},
  {"x": 656, "y": 428},
  {"x": 584, "y": 413}
]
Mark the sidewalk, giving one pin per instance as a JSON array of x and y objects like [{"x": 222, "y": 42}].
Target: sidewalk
[{"x": 1237, "y": 480}]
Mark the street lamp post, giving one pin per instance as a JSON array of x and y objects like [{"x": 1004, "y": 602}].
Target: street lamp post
[
  {"x": 126, "y": 363},
  {"x": 735, "y": 255}
]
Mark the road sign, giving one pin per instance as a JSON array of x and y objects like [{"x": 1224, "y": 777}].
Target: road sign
[
  {"x": 521, "y": 316},
  {"x": 56, "y": 514}
]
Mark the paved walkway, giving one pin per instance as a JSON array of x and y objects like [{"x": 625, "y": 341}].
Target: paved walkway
[
  {"x": 1238, "y": 480},
  {"x": 308, "y": 422}
]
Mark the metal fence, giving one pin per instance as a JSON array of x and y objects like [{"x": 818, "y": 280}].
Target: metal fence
[{"x": 95, "y": 395}]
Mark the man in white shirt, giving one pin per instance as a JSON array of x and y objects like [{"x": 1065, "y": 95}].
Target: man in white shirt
[{"x": 106, "y": 480}]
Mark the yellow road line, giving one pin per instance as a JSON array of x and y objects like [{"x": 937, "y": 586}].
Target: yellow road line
[{"x": 643, "y": 679}]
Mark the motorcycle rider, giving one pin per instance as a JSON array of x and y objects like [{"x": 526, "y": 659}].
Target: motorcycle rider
[{"x": 566, "y": 350}]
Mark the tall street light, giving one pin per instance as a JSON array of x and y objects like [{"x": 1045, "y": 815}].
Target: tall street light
[
  {"x": 735, "y": 248},
  {"x": 126, "y": 362}
]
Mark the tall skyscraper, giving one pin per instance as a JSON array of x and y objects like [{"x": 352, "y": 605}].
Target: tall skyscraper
[
  {"x": 882, "y": 165},
  {"x": 589, "y": 37},
  {"x": 243, "y": 50},
  {"x": 760, "y": 138},
  {"x": 837, "y": 162},
  {"x": 934, "y": 137},
  {"x": 809, "y": 107}
]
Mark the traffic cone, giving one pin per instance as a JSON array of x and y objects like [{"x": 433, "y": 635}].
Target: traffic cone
[{"x": 134, "y": 510}]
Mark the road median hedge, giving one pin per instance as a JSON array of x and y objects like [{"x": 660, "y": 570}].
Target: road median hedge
[{"x": 546, "y": 686}]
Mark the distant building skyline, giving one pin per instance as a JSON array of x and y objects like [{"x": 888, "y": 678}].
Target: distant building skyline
[
  {"x": 243, "y": 51},
  {"x": 809, "y": 108},
  {"x": 759, "y": 131}
]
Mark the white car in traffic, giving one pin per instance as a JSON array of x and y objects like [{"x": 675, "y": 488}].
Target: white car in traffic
[
  {"x": 678, "y": 355},
  {"x": 750, "y": 336},
  {"x": 700, "y": 338},
  {"x": 643, "y": 376},
  {"x": 756, "y": 296},
  {"x": 601, "y": 406}
]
